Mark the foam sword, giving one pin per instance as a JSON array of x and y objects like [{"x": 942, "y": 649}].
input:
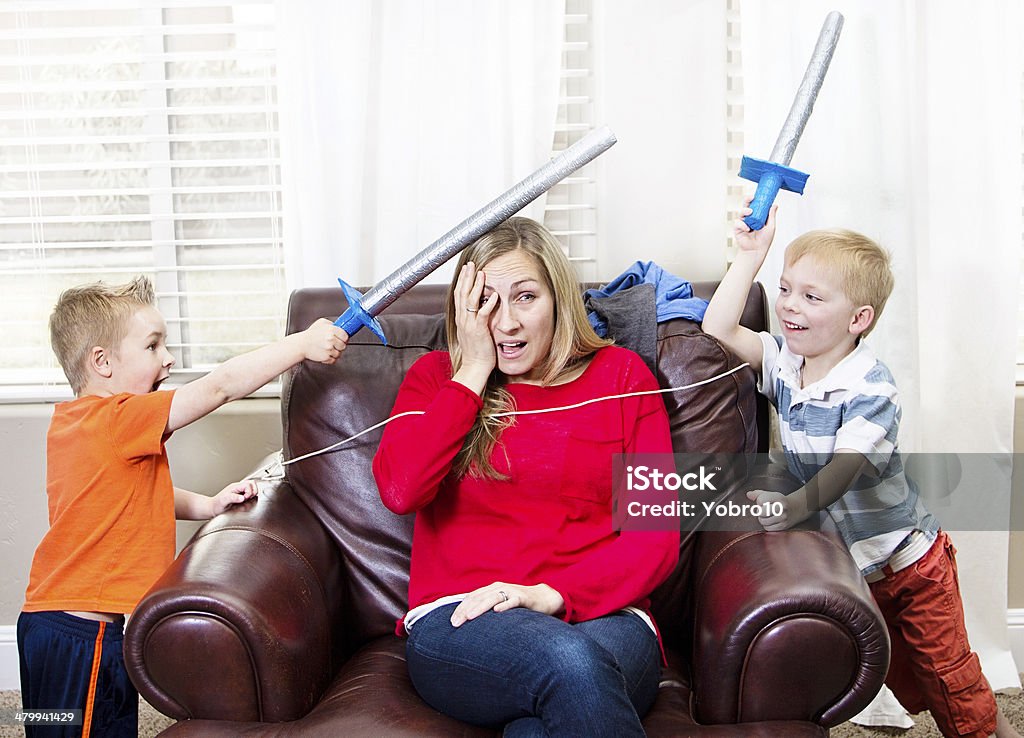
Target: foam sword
[
  {"x": 363, "y": 309},
  {"x": 775, "y": 173}
]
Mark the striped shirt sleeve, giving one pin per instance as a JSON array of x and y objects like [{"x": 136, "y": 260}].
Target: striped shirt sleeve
[{"x": 871, "y": 420}]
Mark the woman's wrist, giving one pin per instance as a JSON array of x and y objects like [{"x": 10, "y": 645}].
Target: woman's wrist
[
  {"x": 473, "y": 377},
  {"x": 553, "y": 602}
]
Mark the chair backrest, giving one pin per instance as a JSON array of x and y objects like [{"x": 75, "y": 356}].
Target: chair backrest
[{"x": 325, "y": 404}]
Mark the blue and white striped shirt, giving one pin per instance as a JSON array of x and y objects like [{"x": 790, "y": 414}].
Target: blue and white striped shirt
[{"x": 855, "y": 406}]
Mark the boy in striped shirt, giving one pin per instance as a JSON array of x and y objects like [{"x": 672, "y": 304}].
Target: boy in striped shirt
[{"x": 839, "y": 416}]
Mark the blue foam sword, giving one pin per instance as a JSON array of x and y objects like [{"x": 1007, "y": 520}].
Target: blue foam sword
[
  {"x": 363, "y": 309},
  {"x": 775, "y": 173}
]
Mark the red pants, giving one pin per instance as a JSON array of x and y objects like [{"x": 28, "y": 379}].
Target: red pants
[{"x": 932, "y": 664}]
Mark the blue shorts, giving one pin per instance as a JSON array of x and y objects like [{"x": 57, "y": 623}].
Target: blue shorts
[{"x": 69, "y": 662}]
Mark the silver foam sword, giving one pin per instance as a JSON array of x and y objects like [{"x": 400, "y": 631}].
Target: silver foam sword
[
  {"x": 775, "y": 173},
  {"x": 363, "y": 309}
]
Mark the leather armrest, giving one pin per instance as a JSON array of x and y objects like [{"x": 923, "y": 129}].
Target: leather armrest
[
  {"x": 242, "y": 625},
  {"x": 785, "y": 629}
]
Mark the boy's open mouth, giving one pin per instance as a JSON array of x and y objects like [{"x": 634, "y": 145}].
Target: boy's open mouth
[{"x": 793, "y": 326}]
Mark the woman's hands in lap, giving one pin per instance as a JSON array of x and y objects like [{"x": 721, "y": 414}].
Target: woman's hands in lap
[{"x": 501, "y": 596}]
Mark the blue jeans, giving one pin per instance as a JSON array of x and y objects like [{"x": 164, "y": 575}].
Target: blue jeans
[{"x": 535, "y": 674}]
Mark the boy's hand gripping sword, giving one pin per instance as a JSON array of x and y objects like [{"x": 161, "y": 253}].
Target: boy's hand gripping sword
[
  {"x": 363, "y": 308},
  {"x": 775, "y": 173}
]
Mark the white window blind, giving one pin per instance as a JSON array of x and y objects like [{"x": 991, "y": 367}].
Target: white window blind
[
  {"x": 571, "y": 209},
  {"x": 734, "y": 144},
  {"x": 140, "y": 138},
  {"x": 1020, "y": 298}
]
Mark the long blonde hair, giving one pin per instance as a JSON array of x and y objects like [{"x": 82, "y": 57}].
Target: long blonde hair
[{"x": 572, "y": 342}]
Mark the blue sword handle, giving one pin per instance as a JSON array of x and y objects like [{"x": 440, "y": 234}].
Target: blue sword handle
[
  {"x": 767, "y": 189},
  {"x": 770, "y": 178},
  {"x": 356, "y": 317}
]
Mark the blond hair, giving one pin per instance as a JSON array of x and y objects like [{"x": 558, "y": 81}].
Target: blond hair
[
  {"x": 91, "y": 315},
  {"x": 863, "y": 267},
  {"x": 572, "y": 342}
]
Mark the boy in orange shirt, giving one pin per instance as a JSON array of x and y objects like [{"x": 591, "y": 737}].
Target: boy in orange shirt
[{"x": 111, "y": 502}]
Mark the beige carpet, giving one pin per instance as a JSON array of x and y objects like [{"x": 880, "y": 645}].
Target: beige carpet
[
  {"x": 152, "y": 722},
  {"x": 924, "y": 727}
]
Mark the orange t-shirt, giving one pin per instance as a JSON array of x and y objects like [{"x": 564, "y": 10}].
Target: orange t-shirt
[{"x": 111, "y": 505}]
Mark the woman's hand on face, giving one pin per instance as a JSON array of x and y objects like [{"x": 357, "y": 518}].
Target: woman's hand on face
[
  {"x": 472, "y": 323},
  {"x": 501, "y": 597}
]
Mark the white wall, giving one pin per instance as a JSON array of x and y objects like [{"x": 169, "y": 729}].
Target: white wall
[{"x": 662, "y": 84}]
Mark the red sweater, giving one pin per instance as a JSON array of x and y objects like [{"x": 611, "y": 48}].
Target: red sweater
[{"x": 551, "y": 520}]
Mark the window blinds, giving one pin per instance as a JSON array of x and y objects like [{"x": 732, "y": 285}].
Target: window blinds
[
  {"x": 571, "y": 209},
  {"x": 140, "y": 140}
]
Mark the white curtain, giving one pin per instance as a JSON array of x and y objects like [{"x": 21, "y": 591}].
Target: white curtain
[
  {"x": 401, "y": 118},
  {"x": 915, "y": 141}
]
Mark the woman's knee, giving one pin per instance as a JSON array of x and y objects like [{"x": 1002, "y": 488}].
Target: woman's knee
[{"x": 578, "y": 661}]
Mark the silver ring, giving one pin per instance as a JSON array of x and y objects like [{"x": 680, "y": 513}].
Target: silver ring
[
  {"x": 504, "y": 597},
  {"x": 471, "y": 310}
]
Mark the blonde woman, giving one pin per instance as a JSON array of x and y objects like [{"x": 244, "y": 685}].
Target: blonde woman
[{"x": 527, "y": 610}]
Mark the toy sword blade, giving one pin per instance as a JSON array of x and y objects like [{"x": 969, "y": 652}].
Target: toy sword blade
[
  {"x": 363, "y": 308},
  {"x": 775, "y": 173}
]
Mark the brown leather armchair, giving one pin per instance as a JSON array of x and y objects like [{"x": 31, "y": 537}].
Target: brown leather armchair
[{"x": 278, "y": 617}]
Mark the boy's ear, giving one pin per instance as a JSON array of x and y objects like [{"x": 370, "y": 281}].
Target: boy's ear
[
  {"x": 99, "y": 362},
  {"x": 862, "y": 319}
]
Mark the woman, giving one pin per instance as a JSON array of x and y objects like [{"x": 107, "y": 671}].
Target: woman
[{"x": 526, "y": 605}]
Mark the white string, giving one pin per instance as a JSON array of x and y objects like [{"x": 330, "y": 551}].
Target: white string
[
  {"x": 352, "y": 438},
  {"x": 618, "y": 397},
  {"x": 333, "y": 446}
]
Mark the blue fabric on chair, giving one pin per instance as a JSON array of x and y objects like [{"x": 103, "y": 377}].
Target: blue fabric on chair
[{"x": 673, "y": 296}]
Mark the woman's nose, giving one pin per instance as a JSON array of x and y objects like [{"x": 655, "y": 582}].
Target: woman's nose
[{"x": 506, "y": 319}]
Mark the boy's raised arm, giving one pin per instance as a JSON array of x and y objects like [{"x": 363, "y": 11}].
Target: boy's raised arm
[
  {"x": 243, "y": 375},
  {"x": 722, "y": 319}
]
